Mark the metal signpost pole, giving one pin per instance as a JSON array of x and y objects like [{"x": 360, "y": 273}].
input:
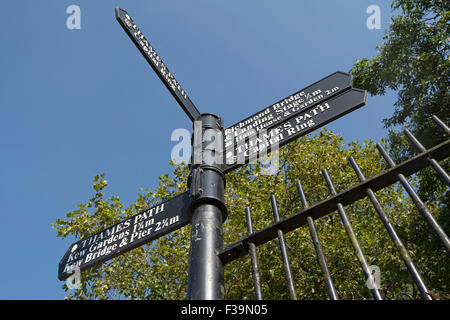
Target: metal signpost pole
[{"x": 208, "y": 211}]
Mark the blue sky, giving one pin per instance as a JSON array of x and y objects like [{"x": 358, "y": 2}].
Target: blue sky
[{"x": 75, "y": 103}]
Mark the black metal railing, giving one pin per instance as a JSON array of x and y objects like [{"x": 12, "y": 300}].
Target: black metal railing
[{"x": 337, "y": 201}]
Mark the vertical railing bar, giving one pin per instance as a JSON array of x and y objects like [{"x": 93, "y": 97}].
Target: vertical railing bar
[
  {"x": 441, "y": 172},
  {"x": 253, "y": 257},
  {"x": 353, "y": 238},
  {"x": 441, "y": 124},
  {"x": 417, "y": 201},
  {"x": 284, "y": 255},
  {"x": 318, "y": 247},
  {"x": 392, "y": 233}
]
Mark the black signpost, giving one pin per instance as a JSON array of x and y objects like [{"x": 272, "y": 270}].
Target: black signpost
[{"x": 203, "y": 205}]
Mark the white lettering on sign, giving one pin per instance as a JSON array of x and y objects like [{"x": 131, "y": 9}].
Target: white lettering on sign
[
  {"x": 261, "y": 142},
  {"x": 120, "y": 236},
  {"x": 276, "y": 113},
  {"x": 154, "y": 57}
]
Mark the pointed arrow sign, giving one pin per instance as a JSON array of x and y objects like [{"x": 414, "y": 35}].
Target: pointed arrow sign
[
  {"x": 156, "y": 63},
  {"x": 301, "y": 124},
  {"x": 126, "y": 235},
  {"x": 290, "y": 106}
]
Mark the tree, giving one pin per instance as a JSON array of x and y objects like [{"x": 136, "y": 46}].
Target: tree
[
  {"x": 414, "y": 59},
  {"x": 159, "y": 270}
]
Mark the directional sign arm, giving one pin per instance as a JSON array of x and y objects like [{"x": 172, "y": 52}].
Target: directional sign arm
[
  {"x": 293, "y": 128},
  {"x": 316, "y": 93},
  {"x": 149, "y": 53},
  {"x": 126, "y": 235}
]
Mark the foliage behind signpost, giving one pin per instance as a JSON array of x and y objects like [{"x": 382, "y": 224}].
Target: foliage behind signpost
[
  {"x": 414, "y": 59},
  {"x": 159, "y": 270}
]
